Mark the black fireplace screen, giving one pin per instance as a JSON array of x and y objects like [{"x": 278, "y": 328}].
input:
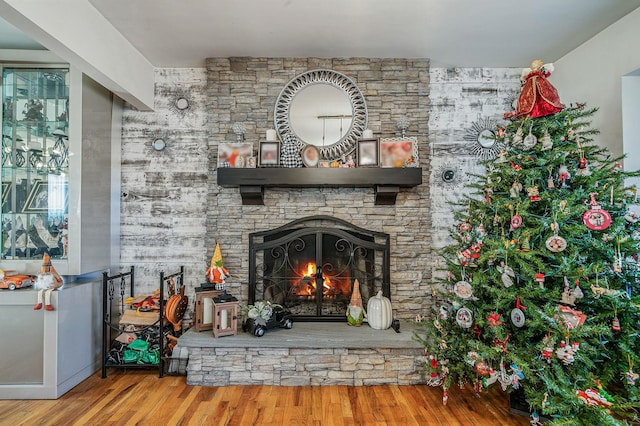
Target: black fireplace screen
[{"x": 309, "y": 266}]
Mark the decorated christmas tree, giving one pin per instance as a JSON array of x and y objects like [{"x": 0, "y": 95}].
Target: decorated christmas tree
[{"x": 541, "y": 290}]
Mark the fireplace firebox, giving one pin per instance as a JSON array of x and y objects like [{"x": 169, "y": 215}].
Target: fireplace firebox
[{"x": 309, "y": 266}]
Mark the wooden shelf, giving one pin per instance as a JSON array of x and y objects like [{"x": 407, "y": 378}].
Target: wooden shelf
[{"x": 385, "y": 181}]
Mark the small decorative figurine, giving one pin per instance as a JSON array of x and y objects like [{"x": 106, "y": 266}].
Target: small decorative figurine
[
  {"x": 355, "y": 310},
  {"x": 47, "y": 281},
  {"x": 216, "y": 273}
]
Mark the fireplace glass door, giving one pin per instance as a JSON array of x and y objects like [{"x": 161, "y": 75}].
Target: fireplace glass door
[{"x": 310, "y": 270}]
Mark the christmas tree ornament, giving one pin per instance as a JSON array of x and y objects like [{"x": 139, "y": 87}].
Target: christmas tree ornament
[
  {"x": 464, "y": 318},
  {"x": 495, "y": 319},
  {"x": 596, "y": 218},
  {"x": 482, "y": 368},
  {"x": 547, "y": 349},
  {"x": 501, "y": 343},
  {"x": 516, "y": 221},
  {"x": 615, "y": 324},
  {"x": 516, "y": 189},
  {"x": 566, "y": 353},
  {"x": 617, "y": 259},
  {"x": 540, "y": 279},
  {"x": 462, "y": 289},
  {"x": 530, "y": 140},
  {"x": 564, "y": 176},
  {"x": 507, "y": 274},
  {"x": 630, "y": 375},
  {"x": 592, "y": 397},
  {"x": 550, "y": 183},
  {"x": 480, "y": 234},
  {"x": 571, "y": 318},
  {"x": 569, "y": 296},
  {"x": 535, "y": 420},
  {"x": 546, "y": 141},
  {"x": 538, "y": 97},
  {"x": 518, "y": 138},
  {"x": 517, "y": 313},
  {"x": 534, "y": 193},
  {"x": 583, "y": 167},
  {"x": 556, "y": 243}
]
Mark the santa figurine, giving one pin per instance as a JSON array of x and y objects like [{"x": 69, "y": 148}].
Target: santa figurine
[
  {"x": 538, "y": 97},
  {"x": 47, "y": 281},
  {"x": 216, "y": 273}
]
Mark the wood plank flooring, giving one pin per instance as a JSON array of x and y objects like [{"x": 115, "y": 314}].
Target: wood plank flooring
[{"x": 140, "y": 398}]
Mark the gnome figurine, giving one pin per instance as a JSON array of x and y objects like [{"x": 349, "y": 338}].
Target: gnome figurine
[
  {"x": 216, "y": 273},
  {"x": 355, "y": 311},
  {"x": 47, "y": 281}
]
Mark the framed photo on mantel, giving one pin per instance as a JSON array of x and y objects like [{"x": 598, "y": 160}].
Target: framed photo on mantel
[
  {"x": 269, "y": 154},
  {"x": 367, "y": 153},
  {"x": 399, "y": 152}
]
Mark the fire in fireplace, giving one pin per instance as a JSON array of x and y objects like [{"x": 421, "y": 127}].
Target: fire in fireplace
[{"x": 309, "y": 266}]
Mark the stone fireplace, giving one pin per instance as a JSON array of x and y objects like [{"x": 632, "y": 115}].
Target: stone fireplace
[
  {"x": 245, "y": 90},
  {"x": 309, "y": 266},
  {"x": 320, "y": 349}
]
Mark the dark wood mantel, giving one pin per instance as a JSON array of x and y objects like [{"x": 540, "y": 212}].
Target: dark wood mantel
[{"x": 385, "y": 181}]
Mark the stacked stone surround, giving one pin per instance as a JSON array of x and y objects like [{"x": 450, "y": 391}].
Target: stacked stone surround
[
  {"x": 246, "y": 89},
  {"x": 305, "y": 367},
  {"x": 309, "y": 354}
]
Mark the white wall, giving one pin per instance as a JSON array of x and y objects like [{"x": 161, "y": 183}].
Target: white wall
[{"x": 592, "y": 73}]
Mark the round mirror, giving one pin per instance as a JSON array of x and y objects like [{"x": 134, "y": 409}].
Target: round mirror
[
  {"x": 158, "y": 144},
  {"x": 182, "y": 103},
  {"x": 486, "y": 138},
  {"x": 322, "y": 108},
  {"x": 320, "y": 115}
]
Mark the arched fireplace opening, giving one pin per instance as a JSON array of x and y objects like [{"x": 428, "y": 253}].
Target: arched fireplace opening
[{"x": 309, "y": 266}]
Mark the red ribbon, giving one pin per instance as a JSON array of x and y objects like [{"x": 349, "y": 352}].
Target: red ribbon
[{"x": 519, "y": 305}]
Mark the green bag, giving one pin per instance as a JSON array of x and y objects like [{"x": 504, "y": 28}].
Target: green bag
[
  {"x": 139, "y": 345},
  {"x": 152, "y": 357},
  {"x": 131, "y": 357}
]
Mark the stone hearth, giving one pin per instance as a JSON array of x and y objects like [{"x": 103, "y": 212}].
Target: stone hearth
[{"x": 310, "y": 354}]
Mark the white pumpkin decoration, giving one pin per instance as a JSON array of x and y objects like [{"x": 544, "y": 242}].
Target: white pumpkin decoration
[{"x": 379, "y": 312}]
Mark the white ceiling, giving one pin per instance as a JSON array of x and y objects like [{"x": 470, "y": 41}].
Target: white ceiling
[{"x": 461, "y": 33}]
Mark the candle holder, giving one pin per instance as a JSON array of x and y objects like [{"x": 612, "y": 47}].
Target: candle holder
[
  {"x": 225, "y": 315},
  {"x": 239, "y": 129},
  {"x": 204, "y": 309},
  {"x": 403, "y": 125}
]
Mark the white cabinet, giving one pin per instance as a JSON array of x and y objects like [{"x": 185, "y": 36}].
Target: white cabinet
[
  {"x": 46, "y": 353},
  {"x": 56, "y": 169}
]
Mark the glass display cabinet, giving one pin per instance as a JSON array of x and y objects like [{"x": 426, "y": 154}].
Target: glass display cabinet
[
  {"x": 56, "y": 165},
  {"x": 35, "y": 163}
]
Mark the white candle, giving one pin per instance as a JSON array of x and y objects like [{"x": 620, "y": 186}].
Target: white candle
[
  {"x": 367, "y": 134},
  {"x": 224, "y": 321},
  {"x": 271, "y": 135}
]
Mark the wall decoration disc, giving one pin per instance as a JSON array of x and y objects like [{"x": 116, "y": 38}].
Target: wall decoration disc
[
  {"x": 464, "y": 318},
  {"x": 517, "y": 317},
  {"x": 484, "y": 143},
  {"x": 463, "y": 290}
]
